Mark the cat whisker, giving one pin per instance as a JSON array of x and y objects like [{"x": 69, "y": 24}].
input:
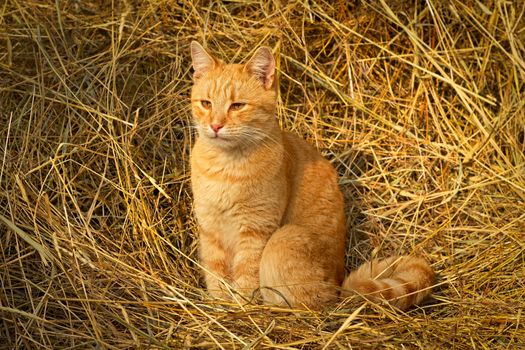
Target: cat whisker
[{"x": 255, "y": 136}]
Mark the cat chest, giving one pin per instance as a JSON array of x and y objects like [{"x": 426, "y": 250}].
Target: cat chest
[
  {"x": 217, "y": 210},
  {"x": 227, "y": 209},
  {"x": 215, "y": 203}
]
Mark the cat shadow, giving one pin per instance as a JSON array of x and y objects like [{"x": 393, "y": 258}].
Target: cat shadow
[{"x": 350, "y": 166}]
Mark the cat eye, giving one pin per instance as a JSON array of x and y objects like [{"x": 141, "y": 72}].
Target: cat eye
[
  {"x": 237, "y": 106},
  {"x": 206, "y": 104}
]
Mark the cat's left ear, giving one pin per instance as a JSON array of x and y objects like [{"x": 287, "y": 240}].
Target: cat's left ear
[
  {"x": 262, "y": 66},
  {"x": 202, "y": 61}
]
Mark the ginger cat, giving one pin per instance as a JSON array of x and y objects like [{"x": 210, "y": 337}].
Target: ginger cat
[{"x": 268, "y": 205}]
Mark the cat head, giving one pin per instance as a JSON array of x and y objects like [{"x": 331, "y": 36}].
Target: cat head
[{"x": 233, "y": 104}]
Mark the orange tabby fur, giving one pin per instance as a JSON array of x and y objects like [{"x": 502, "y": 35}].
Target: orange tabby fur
[{"x": 268, "y": 204}]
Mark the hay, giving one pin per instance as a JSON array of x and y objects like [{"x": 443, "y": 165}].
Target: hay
[{"x": 419, "y": 107}]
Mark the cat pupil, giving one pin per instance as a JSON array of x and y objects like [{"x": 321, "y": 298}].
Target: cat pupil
[{"x": 206, "y": 104}]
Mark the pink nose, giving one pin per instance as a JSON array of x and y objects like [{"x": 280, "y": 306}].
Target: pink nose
[{"x": 216, "y": 127}]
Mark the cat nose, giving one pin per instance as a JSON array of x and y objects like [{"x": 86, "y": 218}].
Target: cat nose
[{"x": 216, "y": 127}]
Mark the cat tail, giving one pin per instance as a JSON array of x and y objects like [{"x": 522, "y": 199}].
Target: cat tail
[{"x": 403, "y": 281}]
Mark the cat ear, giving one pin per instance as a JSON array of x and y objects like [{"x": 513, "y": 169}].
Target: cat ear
[
  {"x": 262, "y": 66},
  {"x": 202, "y": 61}
]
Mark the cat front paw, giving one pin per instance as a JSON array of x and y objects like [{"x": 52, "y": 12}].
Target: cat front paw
[
  {"x": 219, "y": 289},
  {"x": 246, "y": 286}
]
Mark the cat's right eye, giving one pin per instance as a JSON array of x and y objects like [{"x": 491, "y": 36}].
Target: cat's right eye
[{"x": 206, "y": 104}]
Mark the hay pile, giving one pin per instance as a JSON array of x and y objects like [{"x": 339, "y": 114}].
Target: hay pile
[{"x": 419, "y": 107}]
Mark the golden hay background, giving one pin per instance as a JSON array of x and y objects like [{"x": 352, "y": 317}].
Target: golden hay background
[{"x": 418, "y": 104}]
